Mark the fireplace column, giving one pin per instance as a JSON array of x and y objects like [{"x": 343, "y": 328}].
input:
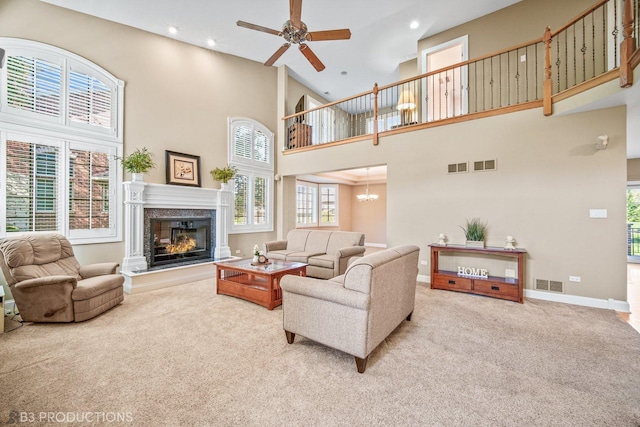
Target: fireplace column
[
  {"x": 223, "y": 220},
  {"x": 134, "y": 259}
]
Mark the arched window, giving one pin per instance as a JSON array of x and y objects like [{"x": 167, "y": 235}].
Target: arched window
[
  {"x": 251, "y": 152},
  {"x": 60, "y": 135}
]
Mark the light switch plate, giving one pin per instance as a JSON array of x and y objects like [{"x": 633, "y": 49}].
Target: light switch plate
[{"x": 597, "y": 213}]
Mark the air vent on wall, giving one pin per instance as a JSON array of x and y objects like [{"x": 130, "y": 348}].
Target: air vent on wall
[
  {"x": 542, "y": 285},
  {"x": 485, "y": 165},
  {"x": 458, "y": 167},
  {"x": 549, "y": 285},
  {"x": 555, "y": 286}
]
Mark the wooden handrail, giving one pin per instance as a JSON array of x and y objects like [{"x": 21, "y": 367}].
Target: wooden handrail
[
  {"x": 302, "y": 113},
  {"x": 579, "y": 17},
  {"x": 462, "y": 64}
]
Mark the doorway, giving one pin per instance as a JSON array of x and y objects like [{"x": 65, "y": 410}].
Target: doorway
[{"x": 445, "y": 93}]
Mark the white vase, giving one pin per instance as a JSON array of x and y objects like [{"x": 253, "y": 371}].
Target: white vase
[
  {"x": 137, "y": 177},
  {"x": 256, "y": 259},
  {"x": 224, "y": 186}
]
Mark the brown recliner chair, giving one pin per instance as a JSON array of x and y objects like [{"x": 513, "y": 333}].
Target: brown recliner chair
[{"x": 48, "y": 284}]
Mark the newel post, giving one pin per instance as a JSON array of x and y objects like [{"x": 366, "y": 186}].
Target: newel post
[
  {"x": 628, "y": 45},
  {"x": 547, "y": 88},
  {"x": 375, "y": 114}
]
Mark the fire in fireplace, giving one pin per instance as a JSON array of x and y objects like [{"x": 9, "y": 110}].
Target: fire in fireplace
[{"x": 177, "y": 240}]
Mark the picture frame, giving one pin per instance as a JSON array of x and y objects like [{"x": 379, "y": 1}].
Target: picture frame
[{"x": 182, "y": 169}]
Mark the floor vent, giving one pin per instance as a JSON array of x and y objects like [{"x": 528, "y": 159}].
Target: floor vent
[
  {"x": 555, "y": 286},
  {"x": 542, "y": 285},
  {"x": 484, "y": 165},
  {"x": 458, "y": 167}
]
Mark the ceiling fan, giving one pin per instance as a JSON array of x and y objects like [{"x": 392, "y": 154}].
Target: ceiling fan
[{"x": 295, "y": 31}]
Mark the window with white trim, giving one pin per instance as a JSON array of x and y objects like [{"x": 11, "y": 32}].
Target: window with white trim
[
  {"x": 316, "y": 204},
  {"x": 251, "y": 152},
  {"x": 60, "y": 135}
]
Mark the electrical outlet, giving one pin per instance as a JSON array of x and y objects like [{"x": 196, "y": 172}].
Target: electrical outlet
[
  {"x": 575, "y": 279},
  {"x": 523, "y": 58},
  {"x": 237, "y": 251},
  {"x": 424, "y": 262}
]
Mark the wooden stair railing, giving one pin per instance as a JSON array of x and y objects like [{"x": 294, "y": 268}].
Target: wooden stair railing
[{"x": 629, "y": 60}]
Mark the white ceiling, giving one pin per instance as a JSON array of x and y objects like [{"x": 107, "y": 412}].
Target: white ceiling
[
  {"x": 380, "y": 33},
  {"x": 374, "y": 174}
]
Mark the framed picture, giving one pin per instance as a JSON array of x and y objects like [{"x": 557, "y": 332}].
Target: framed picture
[{"x": 182, "y": 169}]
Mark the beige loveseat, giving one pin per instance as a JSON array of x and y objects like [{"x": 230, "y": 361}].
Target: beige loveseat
[
  {"x": 48, "y": 284},
  {"x": 326, "y": 252},
  {"x": 356, "y": 311}
]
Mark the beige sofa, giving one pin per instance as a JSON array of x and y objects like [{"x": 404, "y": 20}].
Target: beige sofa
[
  {"x": 48, "y": 284},
  {"x": 356, "y": 311},
  {"x": 326, "y": 252}
]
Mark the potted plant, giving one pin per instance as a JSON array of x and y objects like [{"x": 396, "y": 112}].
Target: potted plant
[
  {"x": 224, "y": 175},
  {"x": 475, "y": 232},
  {"x": 138, "y": 162}
]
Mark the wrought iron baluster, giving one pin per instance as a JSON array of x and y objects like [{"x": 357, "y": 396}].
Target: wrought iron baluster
[
  {"x": 593, "y": 44},
  {"x": 558, "y": 62},
  {"x": 615, "y": 32}
]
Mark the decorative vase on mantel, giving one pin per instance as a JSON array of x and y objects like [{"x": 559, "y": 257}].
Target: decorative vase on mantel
[
  {"x": 137, "y": 177},
  {"x": 475, "y": 243}
]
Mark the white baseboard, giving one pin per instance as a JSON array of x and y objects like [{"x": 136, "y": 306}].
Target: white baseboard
[{"x": 610, "y": 304}]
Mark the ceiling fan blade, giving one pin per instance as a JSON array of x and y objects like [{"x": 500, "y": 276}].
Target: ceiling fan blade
[
  {"x": 308, "y": 53},
  {"x": 257, "y": 28},
  {"x": 295, "y": 12},
  {"x": 316, "y": 36},
  {"x": 278, "y": 54}
]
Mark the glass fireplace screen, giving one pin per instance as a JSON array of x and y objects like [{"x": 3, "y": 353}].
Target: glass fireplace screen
[{"x": 176, "y": 240}]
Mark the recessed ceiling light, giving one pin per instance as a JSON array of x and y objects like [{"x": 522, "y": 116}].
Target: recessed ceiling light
[
  {"x": 327, "y": 93},
  {"x": 343, "y": 73},
  {"x": 414, "y": 25},
  {"x": 173, "y": 30},
  {"x": 211, "y": 42}
]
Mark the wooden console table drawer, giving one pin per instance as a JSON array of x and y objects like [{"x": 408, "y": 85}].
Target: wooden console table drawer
[
  {"x": 454, "y": 283},
  {"x": 496, "y": 289}
]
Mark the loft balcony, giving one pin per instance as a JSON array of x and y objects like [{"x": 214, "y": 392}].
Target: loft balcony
[{"x": 595, "y": 48}]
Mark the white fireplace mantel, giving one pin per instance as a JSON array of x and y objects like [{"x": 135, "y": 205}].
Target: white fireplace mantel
[{"x": 140, "y": 195}]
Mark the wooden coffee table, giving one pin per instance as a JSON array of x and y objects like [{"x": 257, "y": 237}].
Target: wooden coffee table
[{"x": 256, "y": 283}]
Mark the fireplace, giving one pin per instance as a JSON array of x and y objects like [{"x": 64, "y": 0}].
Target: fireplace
[{"x": 179, "y": 240}]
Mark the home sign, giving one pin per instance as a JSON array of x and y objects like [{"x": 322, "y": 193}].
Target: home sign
[{"x": 473, "y": 272}]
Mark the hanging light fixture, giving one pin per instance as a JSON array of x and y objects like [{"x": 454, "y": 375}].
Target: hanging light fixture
[{"x": 366, "y": 197}]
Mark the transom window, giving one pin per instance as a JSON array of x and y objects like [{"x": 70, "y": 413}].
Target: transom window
[
  {"x": 60, "y": 134},
  {"x": 251, "y": 152}
]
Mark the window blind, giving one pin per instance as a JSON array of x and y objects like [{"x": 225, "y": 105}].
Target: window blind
[
  {"x": 90, "y": 100},
  {"x": 34, "y": 85},
  {"x": 241, "y": 202},
  {"x": 32, "y": 187},
  {"x": 89, "y": 190}
]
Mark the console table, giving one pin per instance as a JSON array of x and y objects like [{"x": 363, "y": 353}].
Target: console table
[{"x": 493, "y": 286}]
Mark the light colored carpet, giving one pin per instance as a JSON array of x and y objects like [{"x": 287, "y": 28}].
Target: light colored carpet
[{"x": 186, "y": 356}]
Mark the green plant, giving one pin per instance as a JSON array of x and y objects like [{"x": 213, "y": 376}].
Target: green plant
[
  {"x": 475, "y": 230},
  {"x": 139, "y": 161},
  {"x": 224, "y": 174}
]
